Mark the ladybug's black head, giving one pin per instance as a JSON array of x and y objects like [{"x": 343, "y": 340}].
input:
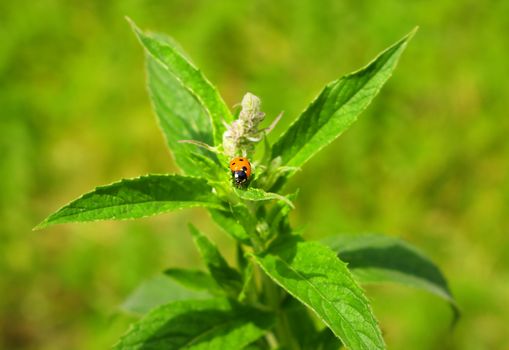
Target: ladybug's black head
[{"x": 239, "y": 177}]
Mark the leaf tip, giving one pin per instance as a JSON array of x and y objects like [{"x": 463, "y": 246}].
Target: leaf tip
[
  {"x": 44, "y": 223},
  {"x": 404, "y": 41},
  {"x": 40, "y": 226},
  {"x": 411, "y": 34},
  {"x": 133, "y": 25},
  {"x": 288, "y": 202},
  {"x": 130, "y": 21}
]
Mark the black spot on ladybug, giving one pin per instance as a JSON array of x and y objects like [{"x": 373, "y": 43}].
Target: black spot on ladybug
[
  {"x": 233, "y": 163},
  {"x": 241, "y": 159},
  {"x": 244, "y": 168}
]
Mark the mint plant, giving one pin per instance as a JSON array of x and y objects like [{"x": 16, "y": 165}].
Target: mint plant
[{"x": 284, "y": 292}]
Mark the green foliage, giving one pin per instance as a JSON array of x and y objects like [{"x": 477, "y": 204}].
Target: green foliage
[
  {"x": 336, "y": 108},
  {"x": 180, "y": 116},
  {"x": 228, "y": 222},
  {"x": 136, "y": 198},
  {"x": 192, "y": 279},
  {"x": 268, "y": 300},
  {"x": 157, "y": 291},
  {"x": 225, "y": 276},
  {"x": 377, "y": 258},
  {"x": 314, "y": 275},
  {"x": 190, "y": 78},
  {"x": 208, "y": 324},
  {"x": 256, "y": 194}
]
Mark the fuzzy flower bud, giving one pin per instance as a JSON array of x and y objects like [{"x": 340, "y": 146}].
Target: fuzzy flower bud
[{"x": 242, "y": 134}]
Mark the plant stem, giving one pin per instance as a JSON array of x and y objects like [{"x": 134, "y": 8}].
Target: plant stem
[{"x": 282, "y": 330}]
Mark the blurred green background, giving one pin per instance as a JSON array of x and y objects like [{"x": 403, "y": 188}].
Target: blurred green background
[{"x": 428, "y": 161}]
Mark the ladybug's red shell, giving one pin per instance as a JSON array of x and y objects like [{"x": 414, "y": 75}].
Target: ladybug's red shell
[
  {"x": 241, "y": 164},
  {"x": 241, "y": 170}
]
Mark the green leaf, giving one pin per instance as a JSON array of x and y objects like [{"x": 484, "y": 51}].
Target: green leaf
[
  {"x": 226, "y": 277},
  {"x": 227, "y": 221},
  {"x": 298, "y": 319},
  {"x": 240, "y": 257},
  {"x": 255, "y": 347},
  {"x": 136, "y": 198},
  {"x": 379, "y": 258},
  {"x": 247, "y": 286},
  {"x": 189, "y": 77},
  {"x": 278, "y": 217},
  {"x": 207, "y": 165},
  {"x": 157, "y": 291},
  {"x": 326, "y": 340},
  {"x": 257, "y": 194},
  {"x": 199, "y": 324},
  {"x": 181, "y": 117},
  {"x": 194, "y": 279},
  {"x": 313, "y": 274},
  {"x": 336, "y": 108},
  {"x": 281, "y": 209},
  {"x": 243, "y": 215}
]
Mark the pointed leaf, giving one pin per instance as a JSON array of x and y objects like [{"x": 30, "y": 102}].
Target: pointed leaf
[
  {"x": 248, "y": 285},
  {"x": 313, "y": 274},
  {"x": 278, "y": 217},
  {"x": 181, "y": 117},
  {"x": 227, "y": 221},
  {"x": 158, "y": 290},
  {"x": 247, "y": 220},
  {"x": 226, "y": 277},
  {"x": 190, "y": 77},
  {"x": 379, "y": 258},
  {"x": 193, "y": 279},
  {"x": 298, "y": 318},
  {"x": 200, "y": 324},
  {"x": 257, "y": 194},
  {"x": 336, "y": 108},
  {"x": 136, "y": 198}
]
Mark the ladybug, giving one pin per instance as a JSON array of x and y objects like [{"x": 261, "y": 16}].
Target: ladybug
[{"x": 241, "y": 170}]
